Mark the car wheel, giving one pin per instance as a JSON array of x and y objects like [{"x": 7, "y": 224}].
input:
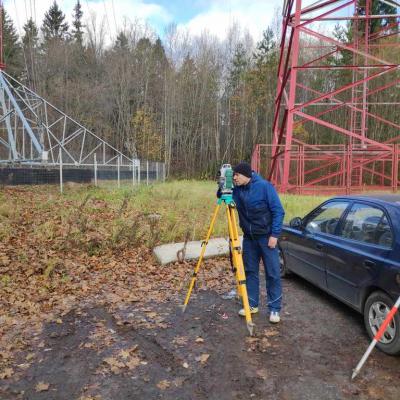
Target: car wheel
[
  {"x": 282, "y": 264},
  {"x": 376, "y": 309}
]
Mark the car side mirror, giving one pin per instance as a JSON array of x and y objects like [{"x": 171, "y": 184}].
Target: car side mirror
[{"x": 296, "y": 223}]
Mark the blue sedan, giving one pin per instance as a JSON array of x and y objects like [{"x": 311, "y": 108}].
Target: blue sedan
[{"x": 350, "y": 247}]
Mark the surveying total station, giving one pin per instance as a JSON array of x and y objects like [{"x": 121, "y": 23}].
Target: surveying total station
[{"x": 225, "y": 186}]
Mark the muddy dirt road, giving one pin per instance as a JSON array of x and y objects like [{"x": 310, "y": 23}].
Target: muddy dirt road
[{"x": 152, "y": 351}]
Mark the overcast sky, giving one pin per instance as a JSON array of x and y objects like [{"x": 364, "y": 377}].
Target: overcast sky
[{"x": 196, "y": 15}]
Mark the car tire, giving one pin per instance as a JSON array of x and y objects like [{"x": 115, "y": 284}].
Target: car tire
[
  {"x": 376, "y": 309},
  {"x": 283, "y": 266}
]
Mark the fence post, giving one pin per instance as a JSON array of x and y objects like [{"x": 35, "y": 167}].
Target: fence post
[
  {"x": 139, "y": 174},
  {"x": 61, "y": 171},
  {"x": 118, "y": 172},
  {"x": 147, "y": 173},
  {"x": 164, "y": 172},
  {"x": 157, "y": 171},
  {"x": 133, "y": 172},
  {"x": 95, "y": 170}
]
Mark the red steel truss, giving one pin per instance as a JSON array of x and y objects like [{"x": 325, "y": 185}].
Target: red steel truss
[
  {"x": 349, "y": 112},
  {"x": 2, "y": 65}
]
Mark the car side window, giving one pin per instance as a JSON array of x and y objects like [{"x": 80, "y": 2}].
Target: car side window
[
  {"x": 326, "y": 218},
  {"x": 367, "y": 224}
]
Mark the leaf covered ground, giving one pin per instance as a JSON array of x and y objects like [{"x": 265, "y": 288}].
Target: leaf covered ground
[
  {"x": 86, "y": 313},
  {"x": 64, "y": 253}
]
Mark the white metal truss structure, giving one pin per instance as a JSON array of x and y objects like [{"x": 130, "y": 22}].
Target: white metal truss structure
[{"x": 33, "y": 131}]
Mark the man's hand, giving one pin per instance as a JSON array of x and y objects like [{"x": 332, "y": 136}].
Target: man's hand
[{"x": 272, "y": 242}]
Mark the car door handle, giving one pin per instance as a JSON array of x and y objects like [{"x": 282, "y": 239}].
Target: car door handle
[
  {"x": 319, "y": 246},
  {"x": 368, "y": 264}
]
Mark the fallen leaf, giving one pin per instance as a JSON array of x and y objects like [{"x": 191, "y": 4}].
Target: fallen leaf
[
  {"x": 252, "y": 339},
  {"x": 164, "y": 384},
  {"x": 133, "y": 348},
  {"x": 185, "y": 365},
  {"x": 203, "y": 358},
  {"x": 24, "y": 365},
  {"x": 265, "y": 343},
  {"x": 42, "y": 387},
  {"x": 124, "y": 354},
  {"x": 133, "y": 363},
  {"x": 178, "y": 382},
  {"x": 180, "y": 340},
  {"x": 199, "y": 340},
  {"x": 115, "y": 370},
  {"x": 113, "y": 362},
  {"x": 59, "y": 321},
  {"x": 262, "y": 373},
  {"x": 152, "y": 314},
  {"x": 6, "y": 373},
  {"x": 270, "y": 333}
]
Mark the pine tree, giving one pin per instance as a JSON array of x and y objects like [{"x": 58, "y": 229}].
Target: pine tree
[
  {"x": 77, "y": 32},
  {"x": 121, "y": 42},
  {"x": 266, "y": 48},
  {"x": 54, "y": 25},
  {"x": 30, "y": 42},
  {"x": 159, "y": 54},
  {"x": 12, "y": 54},
  {"x": 375, "y": 24},
  {"x": 30, "y": 39},
  {"x": 239, "y": 66}
]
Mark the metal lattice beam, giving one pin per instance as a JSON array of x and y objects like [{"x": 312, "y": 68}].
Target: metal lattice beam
[
  {"x": 35, "y": 131},
  {"x": 305, "y": 49}
]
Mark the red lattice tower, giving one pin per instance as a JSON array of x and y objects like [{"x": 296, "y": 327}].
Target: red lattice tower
[
  {"x": 2, "y": 65},
  {"x": 326, "y": 135}
]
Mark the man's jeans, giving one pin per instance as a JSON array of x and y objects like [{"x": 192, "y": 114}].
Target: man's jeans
[{"x": 253, "y": 251}]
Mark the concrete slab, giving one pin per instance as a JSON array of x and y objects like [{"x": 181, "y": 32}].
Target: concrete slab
[{"x": 167, "y": 253}]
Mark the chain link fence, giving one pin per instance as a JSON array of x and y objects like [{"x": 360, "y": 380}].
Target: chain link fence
[{"x": 114, "y": 174}]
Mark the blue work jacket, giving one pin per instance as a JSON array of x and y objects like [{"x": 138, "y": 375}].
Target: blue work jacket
[{"x": 259, "y": 208}]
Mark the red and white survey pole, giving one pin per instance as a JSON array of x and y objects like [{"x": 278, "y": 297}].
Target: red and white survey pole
[{"x": 377, "y": 337}]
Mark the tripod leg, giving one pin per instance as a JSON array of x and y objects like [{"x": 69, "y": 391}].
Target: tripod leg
[
  {"x": 238, "y": 265},
  {"x": 203, "y": 250},
  {"x": 235, "y": 237}
]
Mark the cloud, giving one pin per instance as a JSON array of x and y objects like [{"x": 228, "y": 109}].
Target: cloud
[
  {"x": 214, "y": 16},
  {"x": 253, "y": 16},
  {"x": 114, "y": 12}
]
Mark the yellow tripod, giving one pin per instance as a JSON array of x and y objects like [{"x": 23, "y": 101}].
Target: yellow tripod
[{"x": 237, "y": 259}]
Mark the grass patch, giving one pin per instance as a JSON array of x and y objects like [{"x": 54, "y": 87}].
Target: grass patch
[
  {"x": 5, "y": 230},
  {"x": 299, "y": 206},
  {"x": 98, "y": 218},
  {"x": 184, "y": 207}
]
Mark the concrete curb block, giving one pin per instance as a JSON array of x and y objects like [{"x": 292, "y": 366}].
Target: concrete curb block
[{"x": 168, "y": 252}]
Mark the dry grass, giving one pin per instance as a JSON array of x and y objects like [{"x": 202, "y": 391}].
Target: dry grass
[{"x": 95, "y": 218}]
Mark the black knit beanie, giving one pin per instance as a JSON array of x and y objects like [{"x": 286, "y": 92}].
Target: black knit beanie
[{"x": 243, "y": 168}]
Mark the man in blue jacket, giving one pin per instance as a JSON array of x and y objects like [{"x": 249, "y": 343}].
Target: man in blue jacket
[{"x": 260, "y": 217}]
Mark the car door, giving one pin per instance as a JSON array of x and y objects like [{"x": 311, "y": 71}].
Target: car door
[
  {"x": 305, "y": 252},
  {"x": 355, "y": 259}
]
